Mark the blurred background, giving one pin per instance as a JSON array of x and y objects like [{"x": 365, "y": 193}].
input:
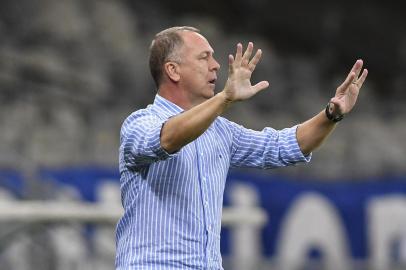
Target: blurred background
[{"x": 72, "y": 70}]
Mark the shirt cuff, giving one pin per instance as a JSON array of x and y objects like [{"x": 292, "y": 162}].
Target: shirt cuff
[
  {"x": 296, "y": 154},
  {"x": 155, "y": 145}
]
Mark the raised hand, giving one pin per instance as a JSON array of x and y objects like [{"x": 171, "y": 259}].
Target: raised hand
[
  {"x": 347, "y": 93},
  {"x": 238, "y": 86}
]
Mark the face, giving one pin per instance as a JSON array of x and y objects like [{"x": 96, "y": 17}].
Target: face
[{"x": 197, "y": 68}]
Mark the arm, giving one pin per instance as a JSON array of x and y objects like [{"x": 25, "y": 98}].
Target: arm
[
  {"x": 264, "y": 149},
  {"x": 187, "y": 126},
  {"x": 314, "y": 131}
]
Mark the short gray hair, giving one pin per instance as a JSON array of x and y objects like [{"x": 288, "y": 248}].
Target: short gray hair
[{"x": 165, "y": 47}]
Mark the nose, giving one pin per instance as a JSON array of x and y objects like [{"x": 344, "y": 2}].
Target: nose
[{"x": 215, "y": 65}]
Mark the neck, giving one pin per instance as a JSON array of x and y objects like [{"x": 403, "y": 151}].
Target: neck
[{"x": 177, "y": 96}]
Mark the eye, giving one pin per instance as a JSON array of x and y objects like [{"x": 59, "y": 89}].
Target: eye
[{"x": 204, "y": 56}]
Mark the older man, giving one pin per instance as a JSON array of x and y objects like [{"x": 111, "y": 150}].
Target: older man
[{"x": 175, "y": 154}]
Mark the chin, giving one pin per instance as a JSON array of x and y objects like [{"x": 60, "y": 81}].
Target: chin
[
  {"x": 210, "y": 94},
  {"x": 211, "y": 91},
  {"x": 206, "y": 94}
]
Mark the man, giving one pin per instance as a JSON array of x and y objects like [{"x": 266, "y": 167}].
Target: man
[{"x": 175, "y": 154}]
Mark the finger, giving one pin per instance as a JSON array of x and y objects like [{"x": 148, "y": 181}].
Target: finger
[
  {"x": 260, "y": 86},
  {"x": 357, "y": 67},
  {"x": 247, "y": 54},
  {"x": 230, "y": 64},
  {"x": 254, "y": 61},
  {"x": 348, "y": 81},
  {"x": 361, "y": 79},
  {"x": 352, "y": 76},
  {"x": 238, "y": 55}
]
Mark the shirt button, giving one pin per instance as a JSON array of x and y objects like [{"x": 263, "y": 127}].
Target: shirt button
[
  {"x": 201, "y": 153},
  {"x": 204, "y": 179}
]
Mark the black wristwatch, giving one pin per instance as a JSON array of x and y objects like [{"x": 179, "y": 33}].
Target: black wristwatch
[{"x": 330, "y": 116}]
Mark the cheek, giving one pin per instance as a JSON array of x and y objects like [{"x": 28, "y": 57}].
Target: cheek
[
  {"x": 202, "y": 72},
  {"x": 195, "y": 74}
]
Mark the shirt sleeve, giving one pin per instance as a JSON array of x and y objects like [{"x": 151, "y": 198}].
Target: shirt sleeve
[
  {"x": 141, "y": 141},
  {"x": 265, "y": 149}
]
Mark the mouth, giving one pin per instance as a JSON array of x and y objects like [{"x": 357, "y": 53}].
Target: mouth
[{"x": 213, "y": 81}]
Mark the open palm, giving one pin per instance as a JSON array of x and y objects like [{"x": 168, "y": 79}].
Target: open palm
[
  {"x": 347, "y": 93},
  {"x": 238, "y": 85}
]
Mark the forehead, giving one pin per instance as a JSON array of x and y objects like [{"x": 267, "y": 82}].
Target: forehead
[{"x": 195, "y": 42}]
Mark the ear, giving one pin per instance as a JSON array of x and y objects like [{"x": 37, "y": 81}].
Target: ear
[{"x": 172, "y": 71}]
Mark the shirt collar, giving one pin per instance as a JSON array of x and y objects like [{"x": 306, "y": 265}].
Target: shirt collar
[{"x": 165, "y": 107}]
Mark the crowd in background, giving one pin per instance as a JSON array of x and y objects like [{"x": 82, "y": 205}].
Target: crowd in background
[{"x": 71, "y": 70}]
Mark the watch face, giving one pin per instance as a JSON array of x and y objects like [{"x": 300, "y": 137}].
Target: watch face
[
  {"x": 329, "y": 114},
  {"x": 330, "y": 108}
]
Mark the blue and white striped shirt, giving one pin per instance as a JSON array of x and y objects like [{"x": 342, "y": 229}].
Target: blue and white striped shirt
[{"x": 173, "y": 202}]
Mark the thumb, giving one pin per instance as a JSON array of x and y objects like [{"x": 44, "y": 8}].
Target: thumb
[
  {"x": 338, "y": 104},
  {"x": 335, "y": 101},
  {"x": 260, "y": 86}
]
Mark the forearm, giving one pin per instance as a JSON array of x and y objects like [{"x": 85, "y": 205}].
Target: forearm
[
  {"x": 312, "y": 133},
  {"x": 189, "y": 125}
]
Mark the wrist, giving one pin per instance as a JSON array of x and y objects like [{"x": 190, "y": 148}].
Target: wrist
[
  {"x": 225, "y": 99},
  {"x": 331, "y": 114}
]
